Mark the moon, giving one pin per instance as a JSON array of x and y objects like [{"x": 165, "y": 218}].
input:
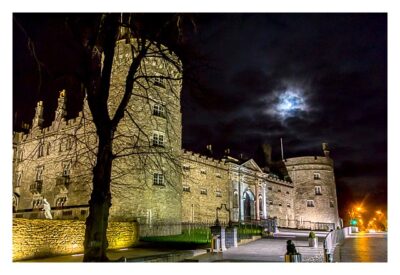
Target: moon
[{"x": 290, "y": 102}]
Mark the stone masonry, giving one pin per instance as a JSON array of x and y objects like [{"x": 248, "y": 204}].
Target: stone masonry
[{"x": 154, "y": 181}]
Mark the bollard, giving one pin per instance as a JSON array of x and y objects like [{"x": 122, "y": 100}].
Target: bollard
[
  {"x": 328, "y": 256},
  {"x": 215, "y": 243}
]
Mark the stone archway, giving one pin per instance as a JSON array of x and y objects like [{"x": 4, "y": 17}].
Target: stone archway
[{"x": 248, "y": 205}]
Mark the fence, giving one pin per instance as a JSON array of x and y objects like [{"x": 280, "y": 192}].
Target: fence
[
  {"x": 308, "y": 225},
  {"x": 193, "y": 232}
]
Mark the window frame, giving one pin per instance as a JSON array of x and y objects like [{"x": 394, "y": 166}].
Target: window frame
[
  {"x": 318, "y": 190},
  {"x": 156, "y": 141},
  {"x": 310, "y": 203},
  {"x": 159, "y": 110},
  {"x": 158, "y": 179}
]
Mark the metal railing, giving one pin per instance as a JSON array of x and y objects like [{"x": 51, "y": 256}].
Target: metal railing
[
  {"x": 308, "y": 225},
  {"x": 333, "y": 239}
]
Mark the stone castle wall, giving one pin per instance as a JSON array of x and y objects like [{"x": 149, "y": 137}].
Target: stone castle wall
[
  {"x": 205, "y": 187},
  {"x": 314, "y": 182},
  {"x": 279, "y": 199},
  {"x": 44, "y": 238},
  {"x": 135, "y": 196},
  {"x": 75, "y": 142}
]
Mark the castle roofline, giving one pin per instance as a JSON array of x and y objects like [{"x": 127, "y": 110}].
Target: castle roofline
[{"x": 309, "y": 160}]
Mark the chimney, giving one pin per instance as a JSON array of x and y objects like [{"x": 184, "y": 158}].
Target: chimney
[
  {"x": 325, "y": 148},
  {"x": 267, "y": 150},
  {"x": 227, "y": 152},
  {"x": 209, "y": 149}
]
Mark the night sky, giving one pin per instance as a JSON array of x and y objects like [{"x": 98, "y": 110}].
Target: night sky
[{"x": 252, "y": 79}]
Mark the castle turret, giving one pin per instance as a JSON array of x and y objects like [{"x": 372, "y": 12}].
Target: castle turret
[
  {"x": 315, "y": 189},
  {"x": 325, "y": 148},
  {"x": 38, "y": 119},
  {"x": 61, "y": 110}
]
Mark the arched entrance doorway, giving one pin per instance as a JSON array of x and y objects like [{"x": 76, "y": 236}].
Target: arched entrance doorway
[{"x": 248, "y": 205}]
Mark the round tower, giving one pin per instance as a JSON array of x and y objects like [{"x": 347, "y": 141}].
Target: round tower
[
  {"x": 146, "y": 179},
  {"x": 315, "y": 197}
]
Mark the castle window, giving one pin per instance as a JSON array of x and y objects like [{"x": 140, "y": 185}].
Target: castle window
[
  {"x": 331, "y": 204},
  {"x": 40, "y": 151},
  {"x": 218, "y": 193},
  {"x": 158, "y": 179},
  {"x": 269, "y": 188},
  {"x": 279, "y": 190},
  {"x": 60, "y": 145},
  {"x": 260, "y": 204},
  {"x": 19, "y": 179},
  {"x": 48, "y": 148},
  {"x": 218, "y": 175},
  {"x": 186, "y": 168},
  {"x": 203, "y": 191},
  {"x": 288, "y": 205},
  {"x": 318, "y": 190},
  {"x": 287, "y": 192},
  {"x": 60, "y": 202},
  {"x": 158, "y": 110},
  {"x": 159, "y": 81},
  {"x": 39, "y": 173},
  {"x": 310, "y": 203},
  {"x": 186, "y": 188},
  {"x": 68, "y": 146},
  {"x": 280, "y": 204},
  {"x": 158, "y": 140},
  {"x": 37, "y": 203},
  {"x": 20, "y": 155},
  {"x": 271, "y": 203},
  {"x": 66, "y": 168},
  {"x": 317, "y": 176},
  {"x": 235, "y": 199},
  {"x": 203, "y": 171}
]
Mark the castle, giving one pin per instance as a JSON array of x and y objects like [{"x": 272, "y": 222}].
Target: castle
[{"x": 154, "y": 181}]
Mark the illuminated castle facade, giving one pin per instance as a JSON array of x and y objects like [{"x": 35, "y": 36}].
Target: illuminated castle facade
[{"x": 153, "y": 180}]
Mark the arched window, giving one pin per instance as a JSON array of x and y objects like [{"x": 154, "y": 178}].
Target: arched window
[
  {"x": 260, "y": 204},
  {"x": 40, "y": 151},
  {"x": 60, "y": 201},
  {"x": 48, "y": 148}
]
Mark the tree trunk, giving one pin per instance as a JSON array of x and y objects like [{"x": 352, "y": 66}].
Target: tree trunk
[{"x": 96, "y": 243}]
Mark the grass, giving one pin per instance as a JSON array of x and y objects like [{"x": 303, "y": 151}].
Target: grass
[
  {"x": 197, "y": 237},
  {"x": 192, "y": 236}
]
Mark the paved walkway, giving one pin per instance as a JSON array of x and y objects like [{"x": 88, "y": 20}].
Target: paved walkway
[
  {"x": 261, "y": 250},
  {"x": 264, "y": 250},
  {"x": 362, "y": 247}
]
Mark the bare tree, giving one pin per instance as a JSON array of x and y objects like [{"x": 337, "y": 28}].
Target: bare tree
[{"x": 98, "y": 41}]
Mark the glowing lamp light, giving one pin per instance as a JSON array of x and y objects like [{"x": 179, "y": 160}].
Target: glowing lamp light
[{"x": 353, "y": 222}]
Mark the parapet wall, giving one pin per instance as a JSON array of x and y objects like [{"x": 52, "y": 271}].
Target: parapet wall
[
  {"x": 43, "y": 238},
  {"x": 309, "y": 160}
]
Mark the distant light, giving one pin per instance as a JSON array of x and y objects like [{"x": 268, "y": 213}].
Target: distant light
[
  {"x": 77, "y": 255},
  {"x": 122, "y": 249},
  {"x": 353, "y": 222}
]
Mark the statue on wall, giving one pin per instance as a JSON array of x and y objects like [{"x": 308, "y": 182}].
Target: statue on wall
[{"x": 47, "y": 209}]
